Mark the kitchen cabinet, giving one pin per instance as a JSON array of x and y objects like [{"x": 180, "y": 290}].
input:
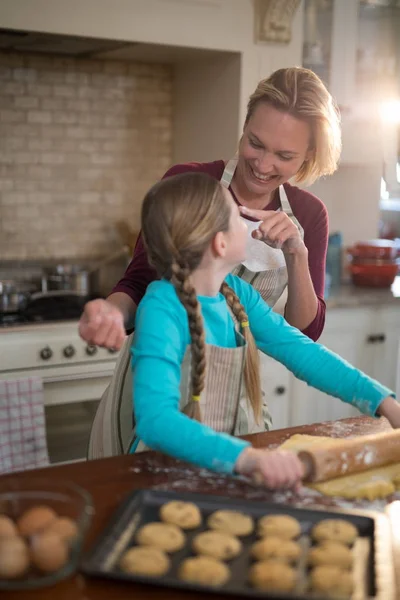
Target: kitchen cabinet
[{"x": 368, "y": 338}]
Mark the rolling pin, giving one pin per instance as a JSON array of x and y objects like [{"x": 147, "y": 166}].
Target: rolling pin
[{"x": 350, "y": 456}]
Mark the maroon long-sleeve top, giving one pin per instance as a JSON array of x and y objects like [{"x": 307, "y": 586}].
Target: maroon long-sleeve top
[{"x": 307, "y": 208}]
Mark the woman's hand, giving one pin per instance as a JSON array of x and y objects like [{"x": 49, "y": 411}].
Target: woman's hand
[
  {"x": 102, "y": 324},
  {"x": 274, "y": 468},
  {"x": 390, "y": 409},
  {"x": 276, "y": 229}
]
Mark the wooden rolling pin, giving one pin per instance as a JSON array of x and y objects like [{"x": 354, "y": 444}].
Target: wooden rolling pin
[{"x": 351, "y": 456}]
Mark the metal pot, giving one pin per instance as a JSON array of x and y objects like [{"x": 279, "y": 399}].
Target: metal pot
[
  {"x": 70, "y": 278},
  {"x": 14, "y": 295}
]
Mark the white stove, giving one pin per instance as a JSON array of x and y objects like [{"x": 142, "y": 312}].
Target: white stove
[{"x": 74, "y": 376}]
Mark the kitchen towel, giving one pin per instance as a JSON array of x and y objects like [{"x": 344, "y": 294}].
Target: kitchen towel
[{"x": 23, "y": 442}]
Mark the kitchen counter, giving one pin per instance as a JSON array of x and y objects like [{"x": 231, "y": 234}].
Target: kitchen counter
[
  {"x": 349, "y": 295},
  {"x": 110, "y": 480}
]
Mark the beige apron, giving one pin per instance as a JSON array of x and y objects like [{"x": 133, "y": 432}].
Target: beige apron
[
  {"x": 111, "y": 432},
  {"x": 224, "y": 403}
]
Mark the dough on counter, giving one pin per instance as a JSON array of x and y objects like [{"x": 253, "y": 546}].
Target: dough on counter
[
  {"x": 284, "y": 527},
  {"x": 335, "y": 530},
  {"x": 332, "y": 582},
  {"x": 204, "y": 570},
  {"x": 276, "y": 548},
  {"x": 185, "y": 515},
  {"x": 331, "y": 553},
  {"x": 161, "y": 535},
  {"x": 272, "y": 575},
  {"x": 372, "y": 484},
  {"x": 231, "y": 521},
  {"x": 144, "y": 560},
  {"x": 217, "y": 544}
]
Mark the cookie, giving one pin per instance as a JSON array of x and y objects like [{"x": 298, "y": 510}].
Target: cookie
[
  {"x": 217, "y": 544},
  {"x": 231, "y": 521},
  {"x": 281, "y": 526},
  {"x": 161, "y": 535},
  {"x": 272, "y": 575},
  {"x": 331, "y": 553},
  {"x": 331, "y": 581},
  {"x": 334, "y": 530},
  {"x": 185, "y": 515},
  {"x": 204, "y": 570},
  {"x": 276, "y": 548},
  {"x": 144, "y": 560}
]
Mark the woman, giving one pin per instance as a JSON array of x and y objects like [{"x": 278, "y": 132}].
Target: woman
[{"x": 291, "y": 131}]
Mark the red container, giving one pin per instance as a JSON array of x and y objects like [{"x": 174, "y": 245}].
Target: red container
[
  {"x": 375, "y": 249},
  {"x": 374, "y": 275}
]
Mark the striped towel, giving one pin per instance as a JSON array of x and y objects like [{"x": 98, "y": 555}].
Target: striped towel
[{"x": 23, "y": 442}]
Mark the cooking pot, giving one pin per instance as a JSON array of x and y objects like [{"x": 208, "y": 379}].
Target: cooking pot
[
  {"x": 14, "y": 295},
  {"x": 380, "y": 249}
]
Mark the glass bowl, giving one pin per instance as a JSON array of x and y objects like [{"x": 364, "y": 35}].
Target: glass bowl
[{"x": 67, "y": 500}]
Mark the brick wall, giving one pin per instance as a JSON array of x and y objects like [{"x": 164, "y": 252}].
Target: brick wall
[{"x": 81, "y": 141}]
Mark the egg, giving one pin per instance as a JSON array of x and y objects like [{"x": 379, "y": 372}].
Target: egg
[
  {"x": 35, "y": 519},
  {"x": 48, "y": 552},
  {"x": 7, "y": 527},
  {"x": 64, "y": 527},
  {"x": 14, "y": 557}
]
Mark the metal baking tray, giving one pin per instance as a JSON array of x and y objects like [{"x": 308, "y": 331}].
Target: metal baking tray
[{"x": 373, "y": 566}]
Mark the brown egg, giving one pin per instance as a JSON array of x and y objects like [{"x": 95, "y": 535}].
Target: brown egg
[
  {"x": 14, "y": 557},
  {"x": 7, "y": 527},
  {"x": 35, "y": 519},
  {"x": 65, "y": 528},
  {"x": 48, "y": 552}
]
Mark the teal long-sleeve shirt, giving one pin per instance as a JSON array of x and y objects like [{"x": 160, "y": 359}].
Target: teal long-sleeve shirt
[{"x": 160, "y": 342}]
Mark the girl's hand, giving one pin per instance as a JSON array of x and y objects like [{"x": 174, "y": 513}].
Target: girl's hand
[
  {"x": 390, "y": 409},
  {"x": 274, "y": 468},
  {"x": 276, "y": 229}
]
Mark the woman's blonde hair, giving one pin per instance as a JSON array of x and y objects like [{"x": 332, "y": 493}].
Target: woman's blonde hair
[
  {"x": 302, "y": 94},
  {"x": 180, "y": 217}
]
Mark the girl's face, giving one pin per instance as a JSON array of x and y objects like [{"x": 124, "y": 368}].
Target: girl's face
[
  {"x": 236, "y": 236},
  {"x": 272, "y": 149}
]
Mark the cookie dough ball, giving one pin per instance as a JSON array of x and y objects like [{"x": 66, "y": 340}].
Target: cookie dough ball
[
  {"x": 231, "y": 521},
  {"x": 331, "y": 581},
  {"x": 281, "y": 526},
  {"x": 335, "y": 530},
  {"x": 272, "y": 575},
  {"x": 276, "y": 548},
  {"x": 14, "y": 557},
  {"x": 217, "y": 544},
  {"x": 7, "y": 527},
  {"x": 185, "y": 515},
  {"x": 164, "y": 536},
  {"x": 144, "y": 560},
  {"x": 204, "y": 570},
  {"x": 331, "y": 553}
]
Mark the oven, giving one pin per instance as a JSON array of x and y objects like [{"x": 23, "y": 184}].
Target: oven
[{"x": 74, "y": 376}]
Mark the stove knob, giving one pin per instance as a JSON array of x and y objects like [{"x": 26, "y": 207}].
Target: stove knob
[
  {"x": 46, "y": 353},
  {"x": 69, "y": 351},
  {"x": 112, "y": 350},
  {"x": 91, "y": 350}
]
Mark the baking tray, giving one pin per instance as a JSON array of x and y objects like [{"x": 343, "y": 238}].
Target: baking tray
[{"x": 373, "y": 566}]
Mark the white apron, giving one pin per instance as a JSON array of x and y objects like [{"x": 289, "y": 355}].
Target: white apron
[{"x": 265, "y": 268}]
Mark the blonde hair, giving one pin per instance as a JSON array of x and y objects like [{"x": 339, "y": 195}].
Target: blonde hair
[
  {"x": 180, "y": 217},
  {"x": 302, "y": 94}
]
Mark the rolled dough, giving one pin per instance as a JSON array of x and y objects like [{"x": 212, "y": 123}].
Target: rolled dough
[{"x": 371, "y": 484}]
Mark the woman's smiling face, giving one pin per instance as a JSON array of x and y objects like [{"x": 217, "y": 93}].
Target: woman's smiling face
[{"x": 272, "y": 149}]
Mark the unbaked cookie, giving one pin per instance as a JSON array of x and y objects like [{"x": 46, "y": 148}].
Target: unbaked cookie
[
  {"x": 185, "y": 515},
  {"x": 331, "y": 553},
  {"x": 276, "y": 548},
  {"x": 217, "y": 544},
  {"x": 143, "y": 560},
  {"x": 272, "y": 575},
  {"x": 281, "y": 526},
  {"x": 161, "y": 535},
  {"x": 204, "y": 570},
  {"x": 335, "y": 530},
  {"x": 231, "y": 521},
  {"x": 331, "y": 581}
]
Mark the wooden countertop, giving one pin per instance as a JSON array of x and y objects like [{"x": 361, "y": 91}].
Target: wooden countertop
[{"x": 110, "y": 480}]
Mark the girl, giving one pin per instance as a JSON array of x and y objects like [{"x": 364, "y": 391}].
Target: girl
[{"x": 196, "y": 380}]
